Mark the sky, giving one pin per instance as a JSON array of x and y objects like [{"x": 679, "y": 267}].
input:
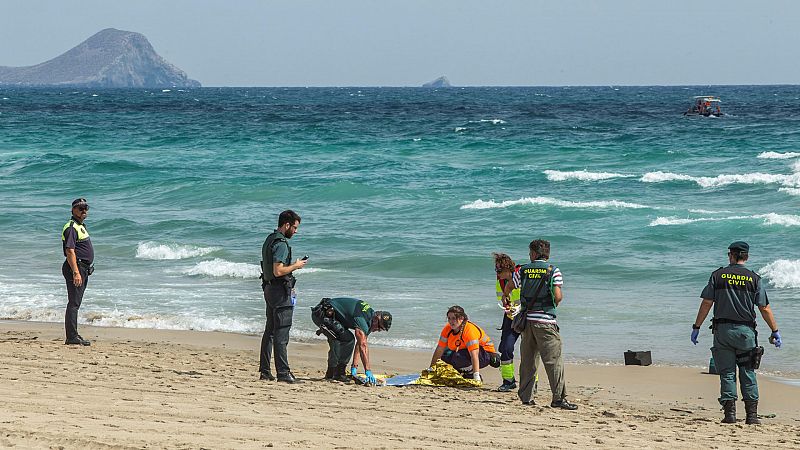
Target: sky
[{"x": 410, "y": 42}]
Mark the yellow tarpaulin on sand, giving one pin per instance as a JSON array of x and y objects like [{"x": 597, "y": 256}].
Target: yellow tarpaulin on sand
[{"x": 444, "y": 374}]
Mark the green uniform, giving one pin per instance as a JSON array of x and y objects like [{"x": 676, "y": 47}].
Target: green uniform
[
  {"x": 353, "y": 314},
  {"x": 736, "y": 291}
]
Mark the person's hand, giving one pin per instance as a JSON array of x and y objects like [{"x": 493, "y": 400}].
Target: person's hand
[
  {"x": 300, "y": 263},
  {"x": 353, "y": 371},
  {"x": 77, "y": 280},
  {"x": 775, "y": 338},
  {"x": 477, "y": 377},
  {"x": 371, "y": 378},
  {"x": 695, "y": 333}
]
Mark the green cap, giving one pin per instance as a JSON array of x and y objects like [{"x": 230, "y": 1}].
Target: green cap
[{"x": 740, "y": 246}]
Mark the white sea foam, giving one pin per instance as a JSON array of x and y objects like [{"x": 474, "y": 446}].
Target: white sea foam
[
  {"x": 492, "y": 121},
  {"x": 782, "y": 273},
  {"x": 153, "y": 250},
  {"x": 796, "y": 166},
  {"x": 723, "y": 180},
  {"x": 660, "y": 177},
  {"x": 548, "y": 201},
  {"x": 786, "y": 220},
  {"x": 459, "y": 129},
  {"x": 222, "y": 268},
  {"x": 790, "y": 191},
  {"x": 582, "y": 175},
  {"x": 776, "y": 155}
]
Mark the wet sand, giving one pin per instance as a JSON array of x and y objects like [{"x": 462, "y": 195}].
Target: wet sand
[{"x": 136, "y": 388}]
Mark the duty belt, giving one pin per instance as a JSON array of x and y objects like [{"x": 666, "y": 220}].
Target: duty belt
[{"x": 749, "y": 323}]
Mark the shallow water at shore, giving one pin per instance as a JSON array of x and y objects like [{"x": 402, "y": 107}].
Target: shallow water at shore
[{"x": 404, "y": 194}]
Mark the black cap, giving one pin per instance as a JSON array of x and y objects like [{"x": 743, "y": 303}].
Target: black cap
[
  {"x": 384, "y": 320},
  {"x": 739, "y": 246},
  {"x": 80, "y": 202}
]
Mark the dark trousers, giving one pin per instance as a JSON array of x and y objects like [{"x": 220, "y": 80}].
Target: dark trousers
[
  {"x": 508, "y": 338},
  {"x": 340, "y": 350},
  {"x": 276, "y": 331},
  {"x": 75, "y": 297},
  {"x": 462, "y": 360}
]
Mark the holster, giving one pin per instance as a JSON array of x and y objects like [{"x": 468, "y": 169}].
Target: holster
[
  {"x": 750, "y": 360},
  {"x": 86, "y": 266},
  {"x": 324, "y": 316}
]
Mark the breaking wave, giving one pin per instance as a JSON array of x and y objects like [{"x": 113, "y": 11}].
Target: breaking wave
[
  {"x": 227, "y": 269},
  {"x": 782, "y": 273},
  {"x": 776, "y": 155},
  {"x": 548, "y": 201},
  {"x": 582, "y": 175},
  {"x": 723, "y": 180},
  {"x": 153, "y": 250},
  {"x": 786, "y": 220}
]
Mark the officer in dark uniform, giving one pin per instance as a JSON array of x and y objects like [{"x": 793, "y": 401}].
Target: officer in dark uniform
[
  {"x": 734, "y": 292},
  {"x": 77, "y": 267},
  {"x": 357, "y": 315},
  {"x": 278, "y": 284}
]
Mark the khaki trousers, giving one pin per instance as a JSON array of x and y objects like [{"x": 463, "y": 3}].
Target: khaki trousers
[{"x": 541, "y": 340}]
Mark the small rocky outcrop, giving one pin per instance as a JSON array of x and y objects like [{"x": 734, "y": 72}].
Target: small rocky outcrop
[
  {"x": 441, "y": 82},
  {"x": 109, "y": 59}
]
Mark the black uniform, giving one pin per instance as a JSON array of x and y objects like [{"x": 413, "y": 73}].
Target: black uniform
[
  {"x": 75, "y": 236},
  {"x": 278, "y": 294}
]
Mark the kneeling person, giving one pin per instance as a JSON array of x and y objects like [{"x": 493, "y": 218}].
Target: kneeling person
[
  {"x": 350, "y": 314},
  {"x": 464, "y": 345}
]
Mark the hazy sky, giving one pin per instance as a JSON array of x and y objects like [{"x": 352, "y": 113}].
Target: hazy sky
[{"x": 406, "y": 43}]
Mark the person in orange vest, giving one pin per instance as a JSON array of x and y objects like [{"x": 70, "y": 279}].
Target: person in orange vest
[{"x": 465, "y": 346}]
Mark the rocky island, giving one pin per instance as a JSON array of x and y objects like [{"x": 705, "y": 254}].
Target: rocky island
[
  {"x": 109, "y": 59},
  {"x": 441, "y": 82}
]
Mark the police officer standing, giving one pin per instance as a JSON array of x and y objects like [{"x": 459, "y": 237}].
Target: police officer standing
[
  {"x": 540, "y": 294},
  {"x": 77, "y": 267},
  {"x": 734, "y": 292},
  {"x": 278, "y": 284}
]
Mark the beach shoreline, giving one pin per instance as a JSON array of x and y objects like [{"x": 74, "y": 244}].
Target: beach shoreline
[{"x": 176, "y": 389}]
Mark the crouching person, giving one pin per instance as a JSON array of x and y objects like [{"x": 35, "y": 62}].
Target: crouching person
[
  {"x": 335, "y": 317},
  {"x": 465, "y": 346}
]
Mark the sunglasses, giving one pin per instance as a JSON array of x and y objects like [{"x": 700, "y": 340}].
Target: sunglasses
[{"x": 83, "y": 208}]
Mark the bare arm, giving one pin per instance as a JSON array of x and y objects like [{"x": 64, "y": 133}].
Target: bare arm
[
  {"x": 702, "y": 313},
  {"x": 72, "y": 260},
  {"x": 437, "y": 355},
  {"x": 766, "y": 313},
  {"x": 557, "y": 295},
  {"x": 279, "y": 269},
  {"x": 476, "y": 365},
  {"x": 362, "y": 349}
]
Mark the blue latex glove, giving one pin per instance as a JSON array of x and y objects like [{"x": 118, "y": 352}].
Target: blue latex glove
[
  {"x": 371, "y": 378},
  {"x": 775, "y": 338},
  {"x": 353, "y": 371},
  {"x": 695, "y": 333}
]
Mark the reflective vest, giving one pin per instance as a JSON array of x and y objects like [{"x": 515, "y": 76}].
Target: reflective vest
[
  {"x": 80, "y": 228},
  {"x": 513, "y": 297}
]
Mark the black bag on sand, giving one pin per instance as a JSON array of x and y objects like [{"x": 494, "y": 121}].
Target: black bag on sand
[{"x": 520, "y": 321}]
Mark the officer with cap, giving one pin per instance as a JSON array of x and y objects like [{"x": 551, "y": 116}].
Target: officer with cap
[
  {"x": 734, "y": 292},
  {"x": 77, "y": 267},
  {"x": 357, "y": 315}
]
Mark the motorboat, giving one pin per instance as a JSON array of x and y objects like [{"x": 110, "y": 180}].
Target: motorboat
[{"x": 704, "y": 105}]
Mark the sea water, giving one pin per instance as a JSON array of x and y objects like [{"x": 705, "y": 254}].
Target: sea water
[{"x": 404, "y": 194}]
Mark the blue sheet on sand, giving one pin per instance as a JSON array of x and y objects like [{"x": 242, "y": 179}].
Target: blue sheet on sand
[{"x": 402, "y": 380}]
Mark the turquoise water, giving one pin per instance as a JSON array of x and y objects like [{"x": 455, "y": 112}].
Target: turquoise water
[{"x": 404, "y": 194}]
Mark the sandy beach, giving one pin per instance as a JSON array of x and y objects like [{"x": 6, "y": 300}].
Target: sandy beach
[{"x": 140, "y": 388}]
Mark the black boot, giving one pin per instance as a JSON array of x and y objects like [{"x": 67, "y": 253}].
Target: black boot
[
  {"x": 341, "y": 374},
  {"x": 729, "y": 406},
  {"x": 330, "y": 373},
  {"x": 751, "y": 409}
]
